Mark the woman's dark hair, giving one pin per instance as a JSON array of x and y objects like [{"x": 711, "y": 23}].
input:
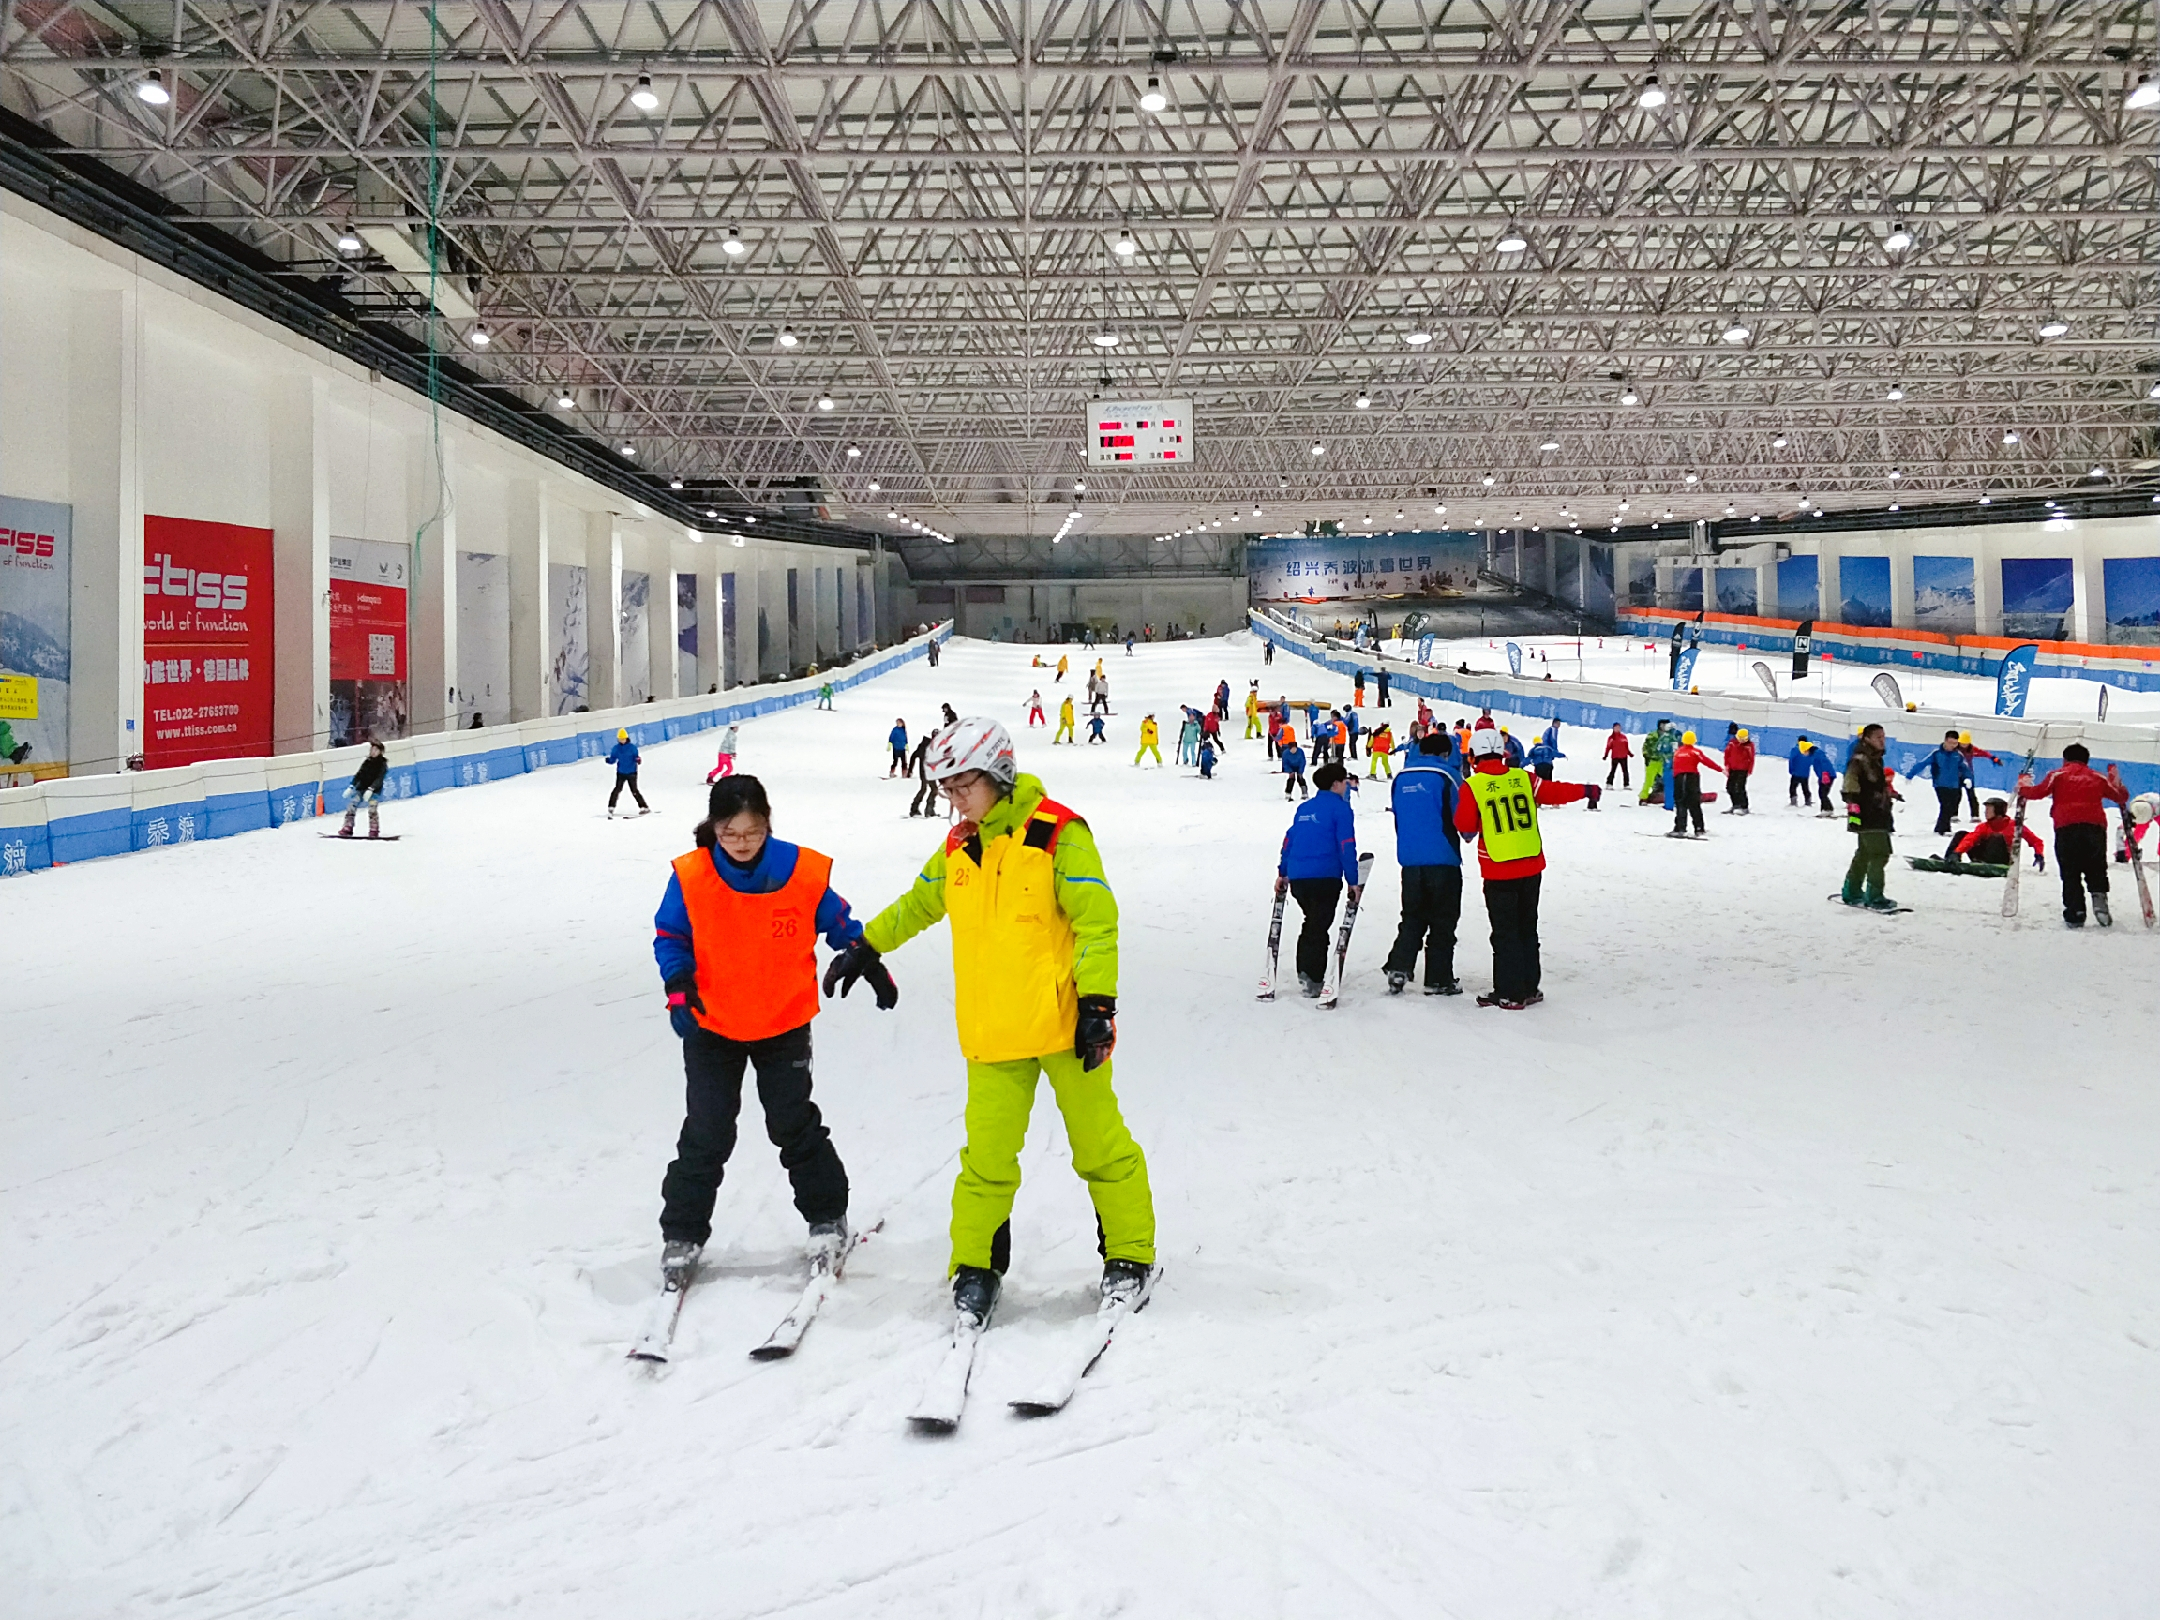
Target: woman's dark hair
[{"x": 731, "y": 796}]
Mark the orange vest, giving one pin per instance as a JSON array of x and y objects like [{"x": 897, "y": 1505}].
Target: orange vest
[{"x": 756, "y": 953}]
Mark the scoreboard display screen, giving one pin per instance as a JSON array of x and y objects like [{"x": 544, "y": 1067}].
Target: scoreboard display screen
[{"x": 1139, "y": 433}]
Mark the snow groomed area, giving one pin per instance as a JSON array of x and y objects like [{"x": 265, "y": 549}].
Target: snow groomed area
[{"x": 1787, "y": 1261}]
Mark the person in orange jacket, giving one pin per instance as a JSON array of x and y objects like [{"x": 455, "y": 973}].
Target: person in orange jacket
[
  {"x": 1498, "y": 807},
  {"x": 1688, "y": 764},
  {"x": 1378, "y": 751}
]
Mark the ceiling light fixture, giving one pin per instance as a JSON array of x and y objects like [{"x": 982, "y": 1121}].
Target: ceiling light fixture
[
  {"x": 1550, "y": 444},
  {"x": 1736, "y": 332},
  {"x": 1511, "y": 240},
  {"x": 1105, "y": 339},
  {"x": 1898, "y": 239},
  {"x": 1895, "y": 394},
  {"x": 875, "y": 486},
  {"x": 1896, "y": 473},
  {"x": 478, "y": 337},
  {"x": 1125, "y": 247},
  {"x": 1417, "y": 337},
  {"x": 1778, "y": 443},
  {"x": 1652, "y": 96},
  {"x": 2054, "y": 327},
  {"x": 853, "y": 451},
  {"x": 2010, "y": 436},
  {"x": 1631, "y": 398},
  {"x": 2097, "y": 472},
  {"x": 674, "y": 483},
  {"x": 1318, "y": 448},
  {"x": 732, "y": 244},
  {"x": 349, "y": 242},
  {"x": 788, "y": 339},
  {"x": 151, "y": 88},
  {"x": 1691, "y": 478},
  {"x": 1363, "y": 401},
  {"x": 629, "y": 450},
  {"x": 565, "y": 400},
  {"x": 1487, "y": 480},
  {"x": 1895, "y": 507},
  {"x": 824, "y": 402},
  {"x": 1152, "y": 98},
  {"x": 2145, "y": 94},
  {"x": 1987, "y": 500},
  {"x": 644, "y": 97}
]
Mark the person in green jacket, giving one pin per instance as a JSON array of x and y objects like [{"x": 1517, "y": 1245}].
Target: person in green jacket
[
  {"x": 1035, "y": 978},
  {"x": 1657, "y": 753}
]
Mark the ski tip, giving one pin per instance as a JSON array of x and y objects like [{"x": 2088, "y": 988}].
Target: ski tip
[
  {"x": 933, "y": 1425},
  {"x": 651, "y": 1358},
  {"x": 1036, "y": 1409},
  {"x": 772, "y": 1352}
]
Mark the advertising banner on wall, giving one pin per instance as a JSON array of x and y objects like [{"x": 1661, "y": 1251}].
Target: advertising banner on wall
[
  {"x": 1336, "y": 568},
  {"x": 209, "y": 642},
  {"x": 368, "y": 691},
  {"x": 34, "y": 659}
]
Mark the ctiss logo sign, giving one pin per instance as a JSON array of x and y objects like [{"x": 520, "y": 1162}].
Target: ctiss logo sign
[
  {"x": 25, "y": 543},
  {"x": 208, "y": 590}
]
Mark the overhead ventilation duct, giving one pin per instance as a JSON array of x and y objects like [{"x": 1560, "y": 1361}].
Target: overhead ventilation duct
[{"x": 452, "y": 293}]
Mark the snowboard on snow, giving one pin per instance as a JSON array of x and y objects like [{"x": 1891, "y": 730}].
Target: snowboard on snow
[
  {"x": 1939, "y": 863},
  {"x": 1876, "y": 911}
]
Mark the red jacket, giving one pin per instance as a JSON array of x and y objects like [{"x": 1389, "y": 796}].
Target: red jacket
[
  {"x": 1690, "y": 760},
  {"x": 1616, "y": 746},
  {"x": 1739, "y": 756},
  {"x": 2004, "y": 828},
  {"x": 2078, "y": 792},
  {"x": 1470, "y": 825}
]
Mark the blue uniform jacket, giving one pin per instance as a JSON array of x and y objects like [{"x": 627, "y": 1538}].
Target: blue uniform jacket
[
  {"x": 898, "y": 738},
  {"x": 1514, "y": 754},
  {"x": 1946, "y": 768},
  {"x": 1322, "y": 840},
  {"x": 1799, "y": 764},
  {"x": 623, "y": 756},
  {"x": 1350, "y": 719},
  {"x": 1424, "y": 805},
  {"x": 1293, "y": 761},
  {"x": 674, "y": 948}
]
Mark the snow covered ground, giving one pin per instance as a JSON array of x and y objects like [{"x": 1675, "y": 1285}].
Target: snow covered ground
[
  {"x": 1639, "y": 661},
  {"x": 1787, "y": 1262}
]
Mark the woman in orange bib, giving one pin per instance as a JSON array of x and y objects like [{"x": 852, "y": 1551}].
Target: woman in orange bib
[{"x": 736, "y": 940}]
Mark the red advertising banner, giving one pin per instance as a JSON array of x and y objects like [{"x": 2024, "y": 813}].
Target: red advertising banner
[
  {"x": 367, "y": 632},
  {"x": 209, "y": 666},
  {"x": 367, "y": 640}
]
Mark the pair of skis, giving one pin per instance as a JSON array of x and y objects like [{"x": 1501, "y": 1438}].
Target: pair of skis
[
  {"x": 944, "y": 1397},
  {"x": 1331, "y": 987},
  {"x": 656, "y": 1343},
  {"x": 2010, "y": 878}
]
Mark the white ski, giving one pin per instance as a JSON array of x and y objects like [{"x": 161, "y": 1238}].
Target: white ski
[
  {"x": 1331, "y": 991},
  {"x": 945, "y": 1396},
  {"x": 2010, "y": 878},
  {"x": 659, "y": 1335},
  {"x": 784, "y": 1339},
  {"x": 1058, "y": 1389},
  {"x": 1273, "y": 964}
]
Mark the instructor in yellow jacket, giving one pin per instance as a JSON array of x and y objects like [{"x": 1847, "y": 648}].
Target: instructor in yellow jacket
[
  {"x": 1150, "y": 740},
  {"x": 1035, "y": 971},
  {"x": 1065, "y": 722}
]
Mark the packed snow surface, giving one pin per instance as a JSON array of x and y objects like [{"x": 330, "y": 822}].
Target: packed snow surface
[{"x": 1788, "y": 1261}]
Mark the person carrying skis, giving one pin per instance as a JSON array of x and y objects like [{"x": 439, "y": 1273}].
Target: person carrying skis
[
  {"x": 1973, "y": 751},
  {"x": 1739, "y": 764},
  {"x": 925, "y": 801},
  {"x": 1688, "y": 764},
  {"x": 725, "y": 764},
  {"x": 366, "y": 788},
  {"x": 1150, "y": 739},
  {"x": 1657, "y": 750},
  {"x": 1868, "y": 795},
  {"x": 896, "y": 740},
  {"x": 1293, "y": 766},
  {"x": 1035, "y": 984},
  {"x": 735, "y": 939},
  {"x": 1035, "y": 710},
  {"x": 624, "y": 757},
  {"x": 2078, "y": 796},
  {"x": 1950, "y": 771},
  {"x": 1347, "y": 730},
  {"x": 1617, "y": 755},
  {"x": 1319, "y": 860},
  {"x": 1498, "y": 807},
  {"x": 1993, "y": 840},
  {"x": 1429, "y": 850},
  {"x": 1544, "y": 752},
  {"x": 1065, "y": 722},
  {"x": 1379, "y": 752},
  {"x": 1802, "y": 770}
]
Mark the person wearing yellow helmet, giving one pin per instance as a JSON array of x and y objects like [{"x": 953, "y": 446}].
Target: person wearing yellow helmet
[
  {"x": 1973, "y": 751},
  {"x": 624, "y": 757},
  {"x": 1739, "y": 764},
  {"x": 1688, "y": 764}
]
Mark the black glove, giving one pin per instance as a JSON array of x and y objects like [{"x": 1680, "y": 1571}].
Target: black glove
[
  {"x": 860, "y": 961},
  {"x": 1095, "y": 1036},
  {"x": 683, "y": 1005}
]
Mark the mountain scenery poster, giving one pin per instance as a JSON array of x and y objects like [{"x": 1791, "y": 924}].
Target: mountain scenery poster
[
  {"x": 2132, "y": 588},
  {"x": 1942, "y": 589},
  {"x": 1736, "y": 590},
  {"x": 1864, "y": 590},
  {"x": 2036, "y": 597},
  {"x": 1798, "y": 587}
]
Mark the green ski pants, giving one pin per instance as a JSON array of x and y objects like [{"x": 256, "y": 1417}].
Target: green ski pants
[{"x": 1864, "y": 878}]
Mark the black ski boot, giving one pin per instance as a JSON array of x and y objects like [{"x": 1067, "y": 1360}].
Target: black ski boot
[
  {"x": 975, "y": 1293},
  {"x": 827, "y": 1244},
  {"x": 1122, "y": 1281},
  {"x": 1396, "y": 981},
  {"x": 1446, "y": 987},
  {"x": 679, "y": 1261}
]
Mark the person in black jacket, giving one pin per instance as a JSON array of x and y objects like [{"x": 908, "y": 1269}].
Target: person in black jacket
[
  {"x": 926, "y": 796},
  {"x": 366, "y": 788}
]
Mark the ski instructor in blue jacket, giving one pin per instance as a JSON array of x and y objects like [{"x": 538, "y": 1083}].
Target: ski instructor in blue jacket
[
  {"x": 1320, "y": 860},
  {"x": 1429, "y": 851}
]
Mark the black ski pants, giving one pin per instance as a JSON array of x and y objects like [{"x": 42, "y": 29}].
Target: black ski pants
[
  {"x": 628, "y": 780},
  {"x": 1619, "y": 765},
  {"x": 1796, "y": 791},
  {"x": 1511, "y": 908},
  {"x": 1431, "y": 906},
  {"x": 1736, "y": 784},
  {"x": 925, "y": 802},
  {"x": 1317, "y": 899},
  {"x": 1687, "y": 801},
  {"x": 2081, "y": 857},
  {"x": 713, "y": 1066},
  {"x": 1383, "y": 691},
  {"x": 1296, "y": 780},
  {"x": 1947, "y": 799}
]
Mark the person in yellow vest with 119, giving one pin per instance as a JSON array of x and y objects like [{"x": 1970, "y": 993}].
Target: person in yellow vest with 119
[
  {"x": 1498, "y": 807},
  {"x": 1035, "y": 972}
]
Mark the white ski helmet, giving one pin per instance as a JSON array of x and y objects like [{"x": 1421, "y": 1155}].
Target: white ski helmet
[
  {"x": 971, "y": 744},
  {"x": 2144, "y": 807},
  {"x": 1487, "y": 743}
]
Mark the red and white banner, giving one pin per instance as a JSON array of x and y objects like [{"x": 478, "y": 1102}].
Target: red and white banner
[
  {"x": 209, "y": 647},
  {"x": 367, "y": 640}
]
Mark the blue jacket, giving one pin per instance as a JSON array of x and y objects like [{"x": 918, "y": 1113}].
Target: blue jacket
[
  {"x": 623, "y": 756},
  {"x": 1799, "y": 764},
  {"x": 1293, "y": 761},
  {"x": 898, "y": 738},
  {"x": 1544, "y": 751},
  {"x": 1350, "y": 719},
  {"x": 1322, "y": 840},
  {"x": 1424, "y": 805},
  {"x": 1514, "y": 754},
  {"x": 1946, "y": 767},
  {"x": 674, "y": 948}
]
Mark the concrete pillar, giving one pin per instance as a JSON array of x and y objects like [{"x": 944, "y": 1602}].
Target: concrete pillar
[
  {"x": 1987, "y": 588},
  {"x": 2088, "y": 616},
  {"x": 105, "y": 485},
  {"x": 712, "y": 670},
  {"x": 662, "y": 622},
  {"x": 300, "y": 515},
  {"x": 1901, "y": 585},
  {"x": 431, "y": 508},
  {"x": 1827, "y": 557},
  {"x": 528, "y": 527},
  {"x": 603, "y": 609}
]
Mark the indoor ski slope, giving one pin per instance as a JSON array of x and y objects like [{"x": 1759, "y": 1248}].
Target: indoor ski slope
[{"x": 1786, "y": 1262}]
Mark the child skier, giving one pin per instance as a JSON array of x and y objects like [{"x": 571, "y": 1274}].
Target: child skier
[
  {"x": 1095, "y": 729},
  {"x": 735, "y": 938},
  {"x": 824, "y": 695},
  {"x": 1498, "y": 807},
  {"x": 1035, "y": 710},
  {"x": 896, "y": 740},
  {"x": 1657, "y": 750},
  {"x": 624, "y": 757},
  {"x": 1293, "y": 767},
  {"x": 1802, "y": 770},
  {"x": 1207, "y": 759},
  {"x": 1688, "y": 764},
  {"x": 1826, "y": 772},
  {"x": 1428, "y": 849},
  {"x": 1739, "y": 764},
  {"x": 1035, "y": 970},
  {"x": 1150, "y": 740},
  {"x": 2079, "y": 796},
  {"x": 366, "y": 788},
  {"x": 1973, "y": 751},
  {"x": 1319, "y": 860},
  {"x": 1617, "y": 754},
  {"x": 725, "y": 764}
]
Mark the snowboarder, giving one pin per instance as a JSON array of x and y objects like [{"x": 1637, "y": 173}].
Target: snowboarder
[
  {"x": 896, "y": 740},
  {"x": 1617, "y": 754},
  {"x": 366, "y": 788},
  {"x": 1065, "y": 722},
  {"x": 735, "y": 938},
  {"x": 1688, "y": 764},
  {"x": 1150, "y": 740},
  {"x": 1739, "y": 764},
  {"x": 1993, "y": 841},
  {"x": 1950, "y": 771},
  {"x": 1498, "y": 807},
  {"x": 1868, "y": 794},
  {"x": 1657, "y": 749},
  {"x": 1319, "y": 860},
  {"x": 1429, "y": 850},
  {"x": 624, "y": 757},
  {"x": 2078, "y": 797},
  {"x": 1034, "y": 994},
  {"x": 1293, "y": 766},
  {"x": 725, "y": 764}
]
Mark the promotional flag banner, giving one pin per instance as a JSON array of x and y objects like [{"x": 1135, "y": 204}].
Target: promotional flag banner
[
  {"x": 2014, "y": 680},
  {"x": 1886, "y": 688},
  {"x": 1801, "y": 642},
  {"x": 1769, "y": 680},
  {"x": 1514, "y": 660}
]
